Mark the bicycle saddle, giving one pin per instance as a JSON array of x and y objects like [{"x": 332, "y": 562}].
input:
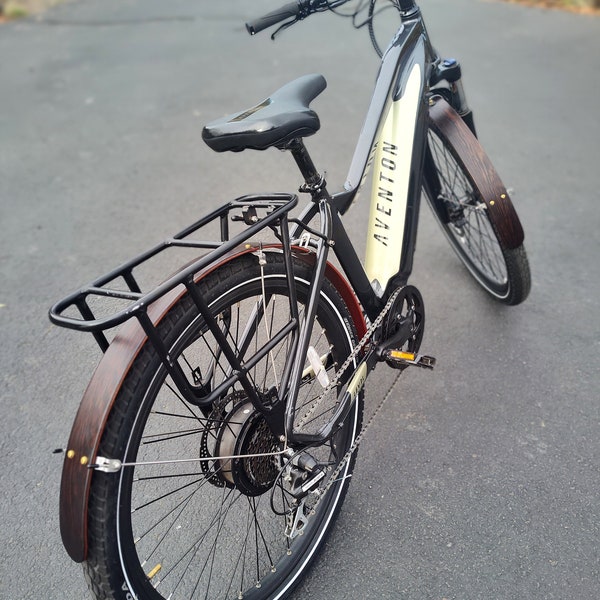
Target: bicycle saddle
[{"x": 282, "y": 117}]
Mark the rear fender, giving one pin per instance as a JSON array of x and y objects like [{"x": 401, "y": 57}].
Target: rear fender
[{"x": 104, "y": 386}]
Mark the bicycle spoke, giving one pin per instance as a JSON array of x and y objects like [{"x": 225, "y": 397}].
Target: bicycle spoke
[
  {"x": 230, "y": 526},
  {"x": 472, "y": 228}
]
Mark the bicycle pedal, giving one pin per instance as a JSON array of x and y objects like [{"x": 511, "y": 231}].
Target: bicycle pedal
[{"x": 399, "y": 359}]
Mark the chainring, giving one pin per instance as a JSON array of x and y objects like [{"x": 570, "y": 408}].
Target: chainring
[{"x": 408, "y": 304}]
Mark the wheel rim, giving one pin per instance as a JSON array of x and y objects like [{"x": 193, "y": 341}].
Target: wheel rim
[
  {"x": 468, "y": 227},
  {"x": 238, "y": 547}
]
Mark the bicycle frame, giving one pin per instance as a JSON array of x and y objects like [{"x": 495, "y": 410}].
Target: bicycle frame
[
  {"x": 393, "y": 142},
  {"x": 394, "y": 137}
]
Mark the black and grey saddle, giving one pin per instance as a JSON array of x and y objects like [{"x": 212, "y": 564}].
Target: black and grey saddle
[{"x": 284, "y": 116}]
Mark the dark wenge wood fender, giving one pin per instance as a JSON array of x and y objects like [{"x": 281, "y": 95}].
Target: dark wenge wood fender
[
  {"x": 89, "y": 424},
  {"x": 103, "y": 388},
  {"x": 445, "y": 120}
]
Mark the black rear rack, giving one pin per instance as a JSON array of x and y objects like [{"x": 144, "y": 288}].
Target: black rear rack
[{"x": 274, "y": 209}]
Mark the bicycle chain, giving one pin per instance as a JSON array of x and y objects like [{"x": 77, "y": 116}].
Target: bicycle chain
[
  {"x": 334, "y": 476},
  {"x": 369, "y": 333},
  {"x": 357, "y": 349}
]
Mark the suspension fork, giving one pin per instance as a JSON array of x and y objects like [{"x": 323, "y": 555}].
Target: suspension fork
[{"x": 449, "y": 71}]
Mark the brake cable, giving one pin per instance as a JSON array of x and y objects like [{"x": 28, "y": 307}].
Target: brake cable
[
  {"x": 368, "y": 21},
  {"x": 332, "y": 6}
]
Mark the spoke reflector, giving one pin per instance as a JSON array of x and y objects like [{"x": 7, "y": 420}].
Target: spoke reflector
[
  {"x": 316, "y": 362},
  {"x": 154, "y": 571}
]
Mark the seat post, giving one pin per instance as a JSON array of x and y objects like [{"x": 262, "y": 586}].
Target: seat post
[{"x": 315, "y": 183}]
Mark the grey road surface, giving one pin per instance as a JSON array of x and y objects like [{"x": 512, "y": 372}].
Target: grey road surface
[{"x": 479, "y": 480}]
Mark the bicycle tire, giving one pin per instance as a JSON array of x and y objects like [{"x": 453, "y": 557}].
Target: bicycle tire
[
  {"x": 212, "y": 523},
  {"x": 455, "y": 186}
]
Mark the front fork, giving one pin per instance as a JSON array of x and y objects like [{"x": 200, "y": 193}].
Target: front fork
[{"x": 446, "y": 80}]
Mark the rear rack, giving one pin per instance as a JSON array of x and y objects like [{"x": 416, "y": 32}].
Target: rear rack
[{"x": 110, "y": 286}]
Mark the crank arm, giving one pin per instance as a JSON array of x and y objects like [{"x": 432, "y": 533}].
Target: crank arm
[{"x": 399, "y": 338}]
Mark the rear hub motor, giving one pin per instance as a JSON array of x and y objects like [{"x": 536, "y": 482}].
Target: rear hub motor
[{"x": 237, "y": 430}]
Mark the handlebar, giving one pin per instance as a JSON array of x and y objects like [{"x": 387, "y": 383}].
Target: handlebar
[
  {"x": 289, "y": 10},
  {"x": 295, "y": 11},
  {"x": 300, "y": 9}
]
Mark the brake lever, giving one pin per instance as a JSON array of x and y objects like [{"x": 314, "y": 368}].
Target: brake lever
[
  {"x": 285, "y": 26},
  {"x": 305, "y": 9}
]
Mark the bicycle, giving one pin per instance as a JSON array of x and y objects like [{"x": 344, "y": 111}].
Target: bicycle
[{"x": 215, "y": 443}]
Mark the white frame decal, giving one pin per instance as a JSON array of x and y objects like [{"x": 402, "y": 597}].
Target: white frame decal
[{"x": 391, "y": 175}]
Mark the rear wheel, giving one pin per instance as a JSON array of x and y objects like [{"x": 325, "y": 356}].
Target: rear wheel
[
  {"x": 226, "y": 527},
  {"x": 455, "y": 194}
]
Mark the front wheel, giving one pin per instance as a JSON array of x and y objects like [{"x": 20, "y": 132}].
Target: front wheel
[
  {"x": 224, "y": 527},
  {"x": 458, "y": 175}
]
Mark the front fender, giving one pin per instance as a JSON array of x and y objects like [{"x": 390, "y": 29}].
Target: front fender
[{"x": 445, "y": 120}]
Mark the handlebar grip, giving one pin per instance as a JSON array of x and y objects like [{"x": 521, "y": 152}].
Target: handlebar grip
[{"x": 291, "y": 9}]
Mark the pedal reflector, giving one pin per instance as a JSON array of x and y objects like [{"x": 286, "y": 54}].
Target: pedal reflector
[
  {"x": 399, "y": 359},
  {"x": 399, "y": 355}
]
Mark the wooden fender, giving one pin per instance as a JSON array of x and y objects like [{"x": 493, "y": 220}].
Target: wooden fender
[
  {"x": 443, "y": 119},
  {"x": 103, "y": 388}
]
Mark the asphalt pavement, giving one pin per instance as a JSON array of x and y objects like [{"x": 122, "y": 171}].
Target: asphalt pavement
[{"x": 479, "y": 480}]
